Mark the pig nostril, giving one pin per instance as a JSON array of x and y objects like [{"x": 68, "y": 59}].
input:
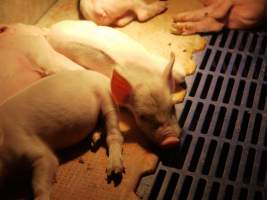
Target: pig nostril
[{"x": 3, "y": 29}]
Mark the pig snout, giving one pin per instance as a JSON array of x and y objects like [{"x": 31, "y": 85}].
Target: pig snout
[{"x": 167, "y": 136}]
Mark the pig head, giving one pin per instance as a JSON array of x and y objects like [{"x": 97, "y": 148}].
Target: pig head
[{"x": 149, "y": 98}]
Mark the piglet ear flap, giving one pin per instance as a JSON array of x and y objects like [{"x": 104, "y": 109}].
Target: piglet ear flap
[
  {"x": 120, "y": 88},
  {"x": 167, "y": 73}
]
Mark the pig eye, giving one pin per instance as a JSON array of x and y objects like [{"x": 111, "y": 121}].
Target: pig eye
[
  {"x": 150, "y": 119},
  {"x": 144, "y": 118},
  {"x": 147, "y": 118}
]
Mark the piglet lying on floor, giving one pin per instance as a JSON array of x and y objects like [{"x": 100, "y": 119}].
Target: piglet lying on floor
[
  {"x": 120, "y": 12},
  {"x": 233, "y": 14},
  {"x": 54, "y": 113},
  {"x": 145, "y": 91},
  {"x": 146, "y": 81},
  {"x": 99, "y": 47}
]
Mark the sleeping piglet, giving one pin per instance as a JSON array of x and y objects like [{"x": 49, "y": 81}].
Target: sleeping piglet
[
  {"x": 119, "y": 12},
  {"x": 146, "y": 81},
  {"x": 54, "y": 113},
  {"x": 99, "y": 47}
]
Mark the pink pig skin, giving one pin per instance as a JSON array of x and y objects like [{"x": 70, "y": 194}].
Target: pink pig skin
[
  {"x": 53, "y": 113},
  {"x": 144, "y": 72},
  {"x": 219, "y": 14},
  {"x": 71, "y": 100},
  {"x": 120, "y": 12},
  {"x": 145, "y": 75},
  {"x": 26, "y": 56},
  {"x": 29, "y": 105},
  {"x": 100, "y": 47}
]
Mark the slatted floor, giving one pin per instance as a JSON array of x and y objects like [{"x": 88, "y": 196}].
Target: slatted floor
[{"x": 223, "y": 153}]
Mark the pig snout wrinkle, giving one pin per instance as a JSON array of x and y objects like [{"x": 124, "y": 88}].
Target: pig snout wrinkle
[{"x": 167, "y": 132}]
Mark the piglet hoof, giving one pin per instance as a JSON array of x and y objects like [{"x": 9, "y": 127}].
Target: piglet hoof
[
  {"x": 96, "y": 141},
  {"x": 95, "y": 145},
  {"x": 115, "y": 167},
  {"x": 114, "y": 172}
]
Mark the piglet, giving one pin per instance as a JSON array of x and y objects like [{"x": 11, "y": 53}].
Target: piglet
[
  {"x": 100, "y": 47},
  {"x": 142, "y": 82},
  {"x": 54, "y": 113},
  {"x": 146, "y": 80},
  {"x": 119, "y": 12}
]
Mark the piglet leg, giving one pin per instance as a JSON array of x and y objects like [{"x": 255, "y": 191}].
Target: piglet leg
[
  {"x": 124, "y": 20},
  {"x": 114, "y": 138},
  {"x": 44, "y": 164}
]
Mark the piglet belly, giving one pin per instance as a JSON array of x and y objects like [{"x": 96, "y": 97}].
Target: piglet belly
[
  {"x": 16, "y": 73},
  {"x": 65, "y": 139},
  {"x": 64, "y": 119}
]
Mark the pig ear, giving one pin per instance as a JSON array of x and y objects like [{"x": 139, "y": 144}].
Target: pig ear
[
  {"x": 167, "y": 73},
  {"x": 121, "y": 89},
  {"x": 178, "y": 96}
]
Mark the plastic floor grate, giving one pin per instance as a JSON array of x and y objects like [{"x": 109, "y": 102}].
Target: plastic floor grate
[{"x": 223, "y": 152}]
